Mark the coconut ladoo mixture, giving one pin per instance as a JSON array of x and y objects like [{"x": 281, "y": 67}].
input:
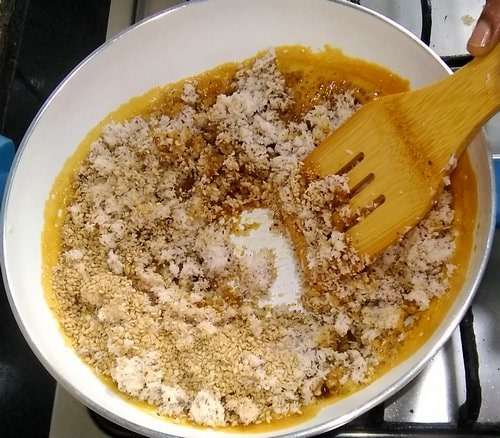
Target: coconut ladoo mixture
[{"x": 154, "y": 292}]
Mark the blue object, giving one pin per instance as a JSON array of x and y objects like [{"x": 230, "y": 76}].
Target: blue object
[
  {"x": 496, "y": 164},
  {"x": 7, "y": 152}
]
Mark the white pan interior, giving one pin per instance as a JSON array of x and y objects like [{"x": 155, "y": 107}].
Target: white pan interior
[{"x": 163, "y": 49}]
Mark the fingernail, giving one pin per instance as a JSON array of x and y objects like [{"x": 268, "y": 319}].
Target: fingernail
[{"x": 481, "y": 35}]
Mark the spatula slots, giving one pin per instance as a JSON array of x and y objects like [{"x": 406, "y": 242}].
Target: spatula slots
[{"x": 396, "y": 150}]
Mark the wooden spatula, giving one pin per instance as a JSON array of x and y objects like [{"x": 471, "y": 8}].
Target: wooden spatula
[{"x": 396, "y": 150}]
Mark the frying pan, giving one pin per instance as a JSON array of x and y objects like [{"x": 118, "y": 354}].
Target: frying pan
[{"x": 174, "y": 44}]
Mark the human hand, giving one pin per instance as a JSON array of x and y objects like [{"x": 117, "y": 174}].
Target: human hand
[{"x": 486, "y": 34}]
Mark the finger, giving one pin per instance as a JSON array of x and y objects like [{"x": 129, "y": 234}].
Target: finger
[{"x": 486, "y": 34}]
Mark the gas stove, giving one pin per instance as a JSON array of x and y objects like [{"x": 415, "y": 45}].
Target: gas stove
[{"x": 458, "y": 393}]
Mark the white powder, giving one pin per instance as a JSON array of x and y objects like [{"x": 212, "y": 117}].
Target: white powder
[{"x": 286, "y": 287}]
